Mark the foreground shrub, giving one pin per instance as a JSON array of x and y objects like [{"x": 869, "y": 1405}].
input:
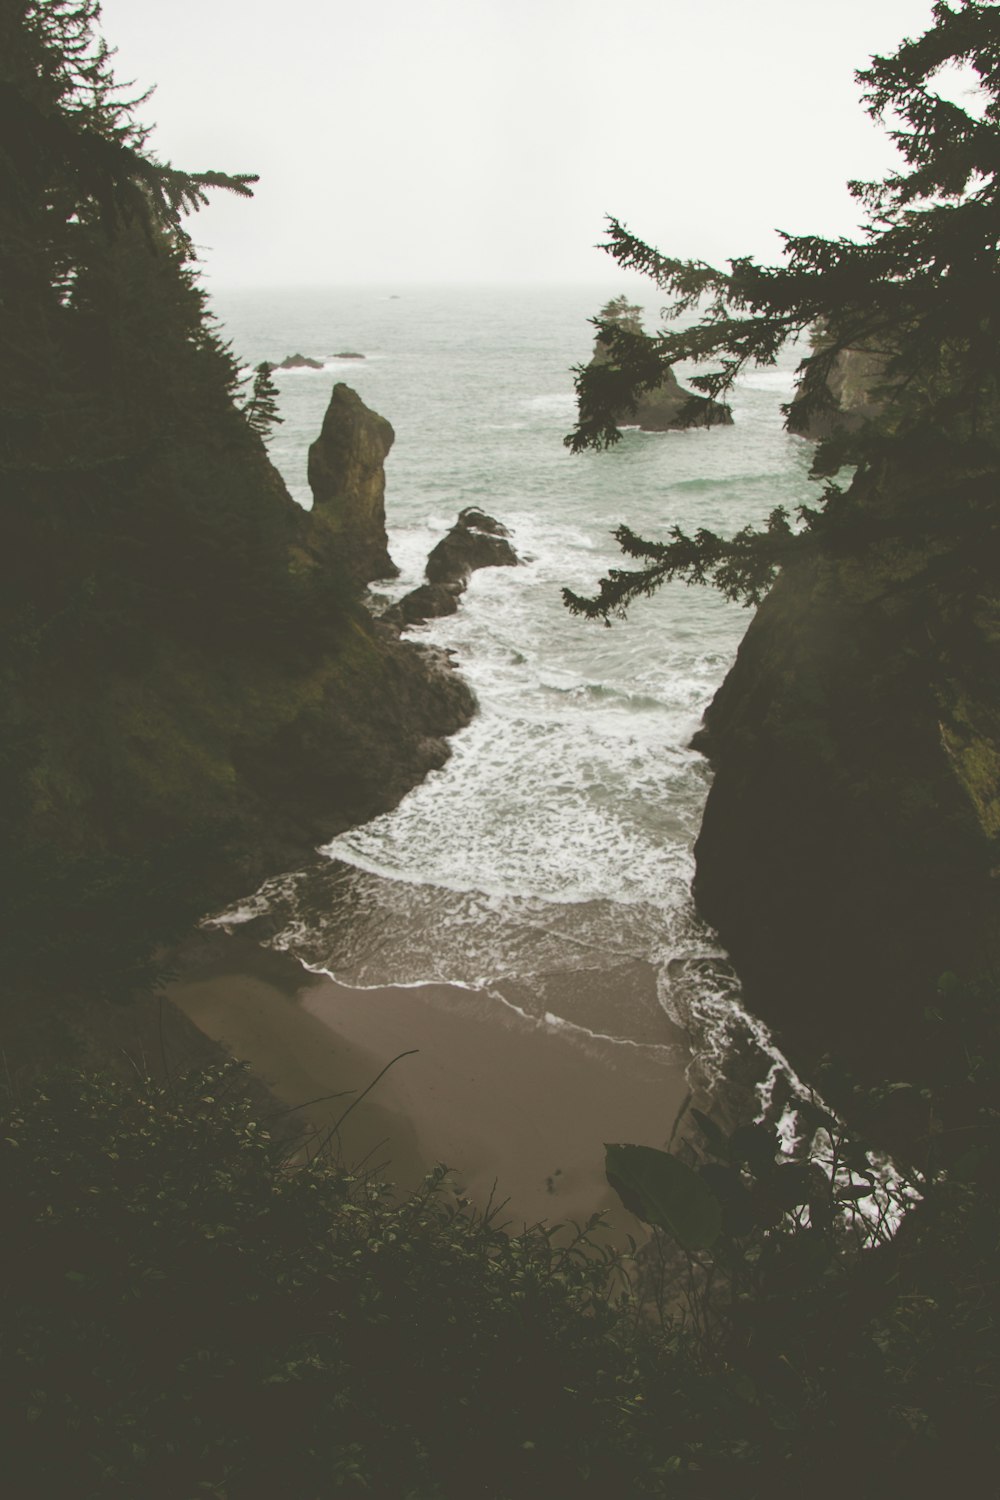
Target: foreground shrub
[{"x": 184, "y": 1313}]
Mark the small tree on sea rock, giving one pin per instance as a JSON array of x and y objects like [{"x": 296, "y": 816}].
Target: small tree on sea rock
[{"x": 920, "y": 288}]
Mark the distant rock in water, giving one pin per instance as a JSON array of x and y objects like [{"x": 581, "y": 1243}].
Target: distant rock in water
[
  {"x": 298, "y": 362},
  {"x": 663, "y": 410},
  {"x": 669, "y": 407},
  {"x": 475, "y": 541},
  {"x": 347, "y": 478},
  {"x": 347, "y": 354}
]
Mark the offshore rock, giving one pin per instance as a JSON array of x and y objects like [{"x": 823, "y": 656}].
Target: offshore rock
[
  {"x": 671, "y": 408},
  {"x": 475, "y": 541},
  {"x": 851, "y": 839},
  {"x": 431, "y": 601},
  {"x": 668, "y": 407},
  {"x": 347, "y": 478},
  {"x": 298, "y": 362}
]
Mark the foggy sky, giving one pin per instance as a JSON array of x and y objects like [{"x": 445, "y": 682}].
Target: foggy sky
[{"x": 412, "y": 141}]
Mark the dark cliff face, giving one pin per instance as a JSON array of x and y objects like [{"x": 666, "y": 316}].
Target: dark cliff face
[
  {"x": 852, "y": 382},
  {"x": 194, "y": 695},
  {"x": 192, "y": 690},
  {"x": 849, "y": 847},
  {"x": 347, "y": 478}
]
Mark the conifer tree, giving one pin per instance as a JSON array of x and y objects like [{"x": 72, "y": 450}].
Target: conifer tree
[
  {"x": 87, "y": 213},
  {"x": 921, "y": 285},
  {"x": 261, "y": 410}
]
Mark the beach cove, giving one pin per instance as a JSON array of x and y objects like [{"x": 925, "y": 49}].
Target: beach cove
[
  {"x": 522, "y": 920},
  {"x": 517, "y": 1108}
]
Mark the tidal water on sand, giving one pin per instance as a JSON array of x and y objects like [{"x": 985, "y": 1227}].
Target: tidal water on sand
[{"x": 547, "y": 865}]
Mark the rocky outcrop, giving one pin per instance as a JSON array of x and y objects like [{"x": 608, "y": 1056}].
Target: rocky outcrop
[
  {"x": 376, "y": 721},
  {"x": 668, "y": 407},
  {"x": 850, "y": 846},
  {"x": 475, "y": 541},
  {"x": 244, "y": 709},
  {"x": 298, "y": 362},
  {"x": 430, "y": 601},
  {"x": 854, "y": 376},
  {"x": 347, "y": 354},
  {"x": 347, "y": 478}
]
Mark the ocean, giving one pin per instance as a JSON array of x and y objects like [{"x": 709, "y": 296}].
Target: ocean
[{"x": 548, "y": 864}]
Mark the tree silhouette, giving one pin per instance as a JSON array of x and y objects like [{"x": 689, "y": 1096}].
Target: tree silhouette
[{"x": 921, "y": 286}]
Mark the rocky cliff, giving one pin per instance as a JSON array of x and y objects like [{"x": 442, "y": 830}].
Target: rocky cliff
[
  {"x": 347, "y": 479},
  {"x": 852, "y": 380},
  {"x": 194, "y": 694},
  {"x": 850, "y": 847}
]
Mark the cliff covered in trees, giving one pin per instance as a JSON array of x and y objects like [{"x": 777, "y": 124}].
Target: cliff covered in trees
[
  {"x": 192, "y": 691},
  {"x": 849, "y": 850},
  {"x": 849, "y": 846}
]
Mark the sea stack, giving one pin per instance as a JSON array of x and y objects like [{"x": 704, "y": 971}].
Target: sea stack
[
  {"x": 347, "y": 478},
  {"x": 475, "y": 541},
  {"x": 669, "y": 407}
]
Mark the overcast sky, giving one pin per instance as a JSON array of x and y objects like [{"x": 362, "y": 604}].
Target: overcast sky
[{"x": 409, "y": 141}]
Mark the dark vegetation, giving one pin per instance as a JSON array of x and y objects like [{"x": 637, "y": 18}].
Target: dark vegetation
[
  {"x": 151, "y": 583},
  {"x": 921, "y": 287},
  {"x": 185, "y": 1314},
  {"x": 841, "y": 750},
  {"x": 847, "y": 851},
  {"x": 190, "y": 1307}
]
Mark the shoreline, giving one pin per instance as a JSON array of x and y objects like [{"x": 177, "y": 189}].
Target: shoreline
[{"x": 517, "y": 1108}]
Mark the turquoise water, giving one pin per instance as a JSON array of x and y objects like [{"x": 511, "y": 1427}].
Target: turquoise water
[{"x": 557, "y": 840}]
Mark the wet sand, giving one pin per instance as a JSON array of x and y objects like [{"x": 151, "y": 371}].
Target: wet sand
[{"x": 499, "y": 1097}]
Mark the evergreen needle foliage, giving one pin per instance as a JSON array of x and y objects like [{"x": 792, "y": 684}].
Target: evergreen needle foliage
[
  {"x": 261, "y": 410},
  {"x": 921, "y": 287},
  {"x": 146, "y": 545}
]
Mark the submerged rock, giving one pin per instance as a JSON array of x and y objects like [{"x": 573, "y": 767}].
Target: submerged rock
[
  {"x": 347, "y": 354},
  {"x": 347, "y": 478}
]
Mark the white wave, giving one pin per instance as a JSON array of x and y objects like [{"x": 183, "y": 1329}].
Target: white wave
[{"x": 767, "y": 380}]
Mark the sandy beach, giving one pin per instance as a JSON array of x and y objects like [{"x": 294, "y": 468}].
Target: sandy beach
[{"x": 519, "y": 1108}]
